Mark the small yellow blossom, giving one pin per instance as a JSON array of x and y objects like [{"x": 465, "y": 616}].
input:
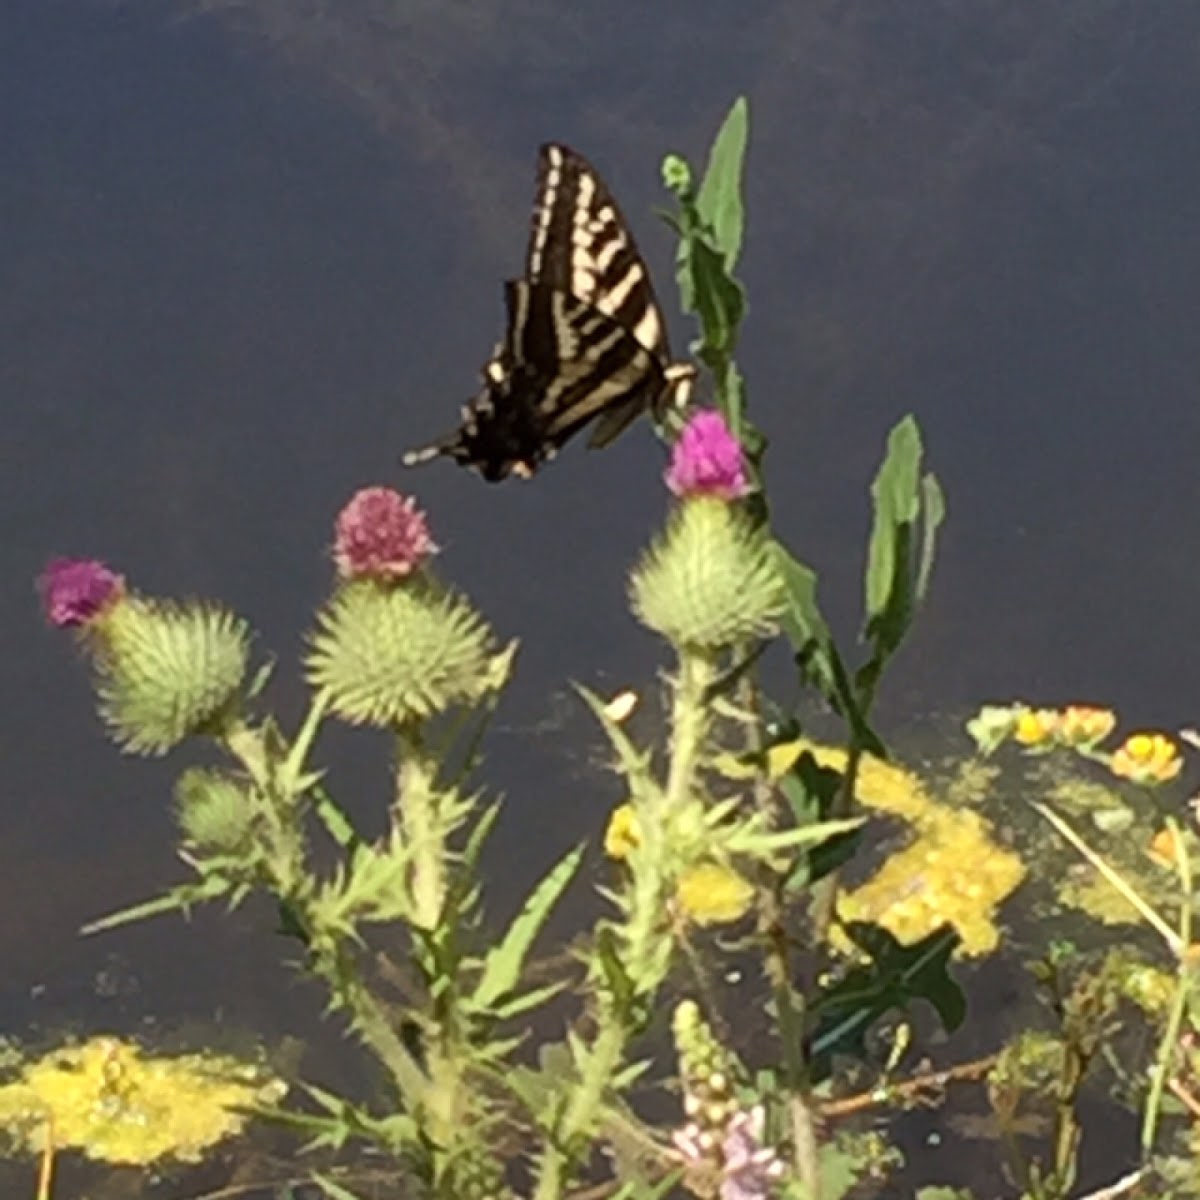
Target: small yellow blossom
[
  {"x": 622, "y": 835},
  {"x": 711, "y": 894},
  {"x": 1163, "y": 848},
  {"x": 1147, "y": 758},
  {"x": 1084, "y": 725},
  {"x": 1036, "y": 727}
]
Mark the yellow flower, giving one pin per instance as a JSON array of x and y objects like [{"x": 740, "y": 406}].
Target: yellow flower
[
  {"x": 622, "y": 835},
  {"x": 1161, "y": 848},
  {"x": 1083, "y": 725},
  {"x": 1147, "y": 758},
  {"x": 1037, "y": 726},
  {"x": 711, "y": 894}
]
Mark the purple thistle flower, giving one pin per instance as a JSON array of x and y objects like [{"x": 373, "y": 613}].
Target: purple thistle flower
[
  {"x": 707, "y": 460},
  {"x": 381, "y": 534},
  {"x": 750, "y": 1168},
  {"x": 75, "y": 591}
]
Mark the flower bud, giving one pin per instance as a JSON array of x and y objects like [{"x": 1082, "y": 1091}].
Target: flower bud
[
  {"x": 213, "y": 811},
  {"x": 388, "y": 654},
  {"x": 710, "y": 581},
  {"x": 167, "y": 671}
]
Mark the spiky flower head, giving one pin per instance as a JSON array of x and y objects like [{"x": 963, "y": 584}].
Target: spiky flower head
[
  {"x": 381, "y": 534},
  {"x": 710, "y": 581},
  {"x": 707, "y": 460},
  {"x": 166, "y": 671},
  {"x": 390, "y": 654},
  {"x": 213, "y": 811},
  {"x": 75, "y": 591}
]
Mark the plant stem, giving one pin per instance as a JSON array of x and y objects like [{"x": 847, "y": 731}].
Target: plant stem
[{"x": 415, "y": 812}]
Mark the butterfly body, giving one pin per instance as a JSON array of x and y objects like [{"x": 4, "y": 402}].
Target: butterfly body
[{"x": 584, "y": 340}]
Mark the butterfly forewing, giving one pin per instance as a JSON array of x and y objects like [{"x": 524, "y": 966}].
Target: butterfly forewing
[
  {"x": 584, "y": 342},
  {"x": 581, "y": 244}
]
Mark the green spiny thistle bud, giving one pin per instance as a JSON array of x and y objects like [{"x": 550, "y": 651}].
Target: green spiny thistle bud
[
  {"x": 213, "y": 811},
  {"x": 710, "y": 581},
  {"x": 167, "y": 671},
  {"x": 390, "y": 654}
]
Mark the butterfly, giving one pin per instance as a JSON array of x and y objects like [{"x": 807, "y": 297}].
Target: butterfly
[{"x": 584, "y": 342}]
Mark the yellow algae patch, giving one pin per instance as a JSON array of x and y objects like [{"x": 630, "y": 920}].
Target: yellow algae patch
[
  {"x": 953, "y": 872},
  {"x": 112, "y": 1103},
  {"x": 880, "y": 785}
]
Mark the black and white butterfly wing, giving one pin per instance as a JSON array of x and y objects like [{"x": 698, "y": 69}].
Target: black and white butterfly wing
[{"x": 585, "y": 340}]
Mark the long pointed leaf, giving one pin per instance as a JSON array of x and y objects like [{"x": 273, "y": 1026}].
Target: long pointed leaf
[
  {"x": 503, "y": 965},
  {"x": 719, "y": 199}
]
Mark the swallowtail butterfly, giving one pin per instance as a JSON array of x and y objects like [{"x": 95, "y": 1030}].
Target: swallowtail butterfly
[{"x": 585, "y": 339}]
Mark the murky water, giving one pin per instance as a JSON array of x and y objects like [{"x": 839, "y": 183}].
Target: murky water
[{"x": 248, "y": 255}]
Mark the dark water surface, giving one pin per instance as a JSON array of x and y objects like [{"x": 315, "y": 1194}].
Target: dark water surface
[{"x": 248, "y": 255}]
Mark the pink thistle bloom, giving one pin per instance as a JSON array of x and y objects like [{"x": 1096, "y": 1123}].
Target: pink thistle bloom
[
  {"x": 382, "y": 535},
  {"x": 75, "y": 591},
  {"x": 707, "y": 460}
]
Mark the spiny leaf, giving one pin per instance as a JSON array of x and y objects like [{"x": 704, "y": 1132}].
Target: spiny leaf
[
  {"x": 178, "y": 899},
  {"x": 503, "y": 965}
]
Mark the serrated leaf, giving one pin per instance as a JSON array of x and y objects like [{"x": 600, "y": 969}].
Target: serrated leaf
[
  {"x": 504, "y": 963},
  {"x": 719, "y": 199}
]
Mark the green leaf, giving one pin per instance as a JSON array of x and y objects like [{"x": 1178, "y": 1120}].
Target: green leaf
[
  {"x": 894, "y": 977},
  {"x": 841, "y": 1170},
  {"x": 634, "y": 762},
  {"x": 720, "y": 302},
  {"x": 816, "y": 654},
  {"x": 527, "y": 1001},
  {"x": 503, "y": 964},
  {"x": 897, "y": 506},
  {"x": 333, "y": 817},
  {"x": 719, "y": 200},
  {"x": 259, "y": 680},
  {"x": 909, "y": 510},
  {"x": 933, "y": 512},
  {"x": 178, "y": 899}
]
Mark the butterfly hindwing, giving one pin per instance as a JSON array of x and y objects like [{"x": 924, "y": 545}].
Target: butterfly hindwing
[{"x": 584, "y": 339}]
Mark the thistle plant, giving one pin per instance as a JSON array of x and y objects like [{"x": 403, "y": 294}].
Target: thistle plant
[{"x": 711, "y": 831}]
